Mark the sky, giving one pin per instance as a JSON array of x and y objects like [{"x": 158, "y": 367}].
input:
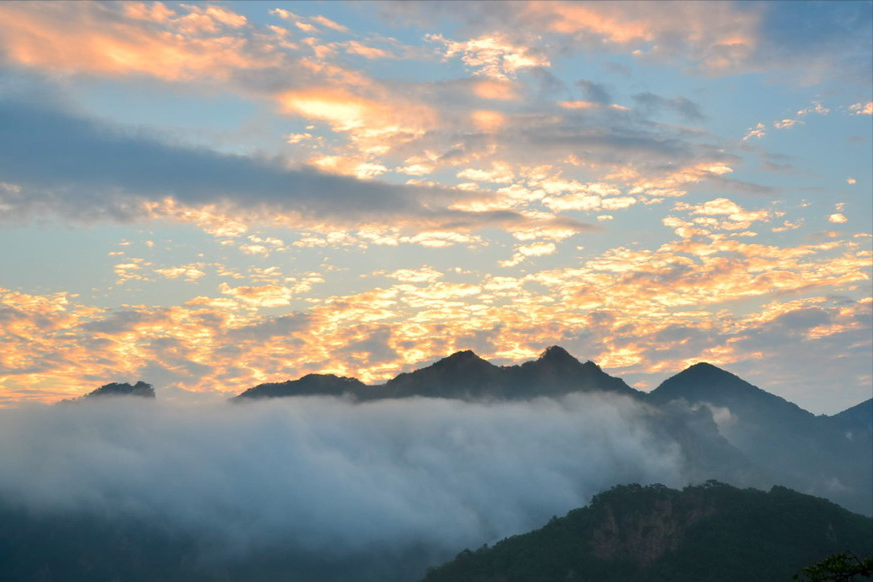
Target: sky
[{"x": 208, "y": 196}]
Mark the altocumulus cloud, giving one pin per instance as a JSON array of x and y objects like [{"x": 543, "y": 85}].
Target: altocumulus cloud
[{"x": 328, "y": 475}]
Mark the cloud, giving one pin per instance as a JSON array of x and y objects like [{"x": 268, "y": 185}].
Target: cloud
[
  {"x": 331, "y": 477},
  {"x": 594, "y": 92},
  {"x": 187, "y": 272},
  {"x": 271, "y": 327},
  {"x": 737, "y": 218},
  {"x": 862, "y": 108},
  {"x": 307, "y": 24},
  {"x": 416, "y": 128},
  {"x": 259, "y": 296},
  {"x": 523, "y": 252},
  {"x": 756, "y": 132},
  {"x": 682, "y": 106},
  {"x": 102, "y": 173},
  {"x": 128, "y": 39},
  {"x": 610, "y": 307},
  {"x": 492, "y": 56},
  {"x": 804, "y": 43}
]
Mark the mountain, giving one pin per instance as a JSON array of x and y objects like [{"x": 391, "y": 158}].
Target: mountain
[
  {"x": 556, "y": 372},
  {"x": 856, "y": 422},
  {"x": 463, "y": 375},
  {"x": 114, "y": 389},
  {"x": 817, "y": 455},
  {"x": 712, "y": 533},
  {"x": 309, "y": 385},
  {"x": 747, "y": 416},
  {"x": 705, "y": 383}
]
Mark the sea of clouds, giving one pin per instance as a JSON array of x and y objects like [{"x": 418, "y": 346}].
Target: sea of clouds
[{"x": 326, "y": 474}]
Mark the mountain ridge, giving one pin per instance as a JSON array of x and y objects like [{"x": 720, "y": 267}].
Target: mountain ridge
[{"x": 464, "y": 374}]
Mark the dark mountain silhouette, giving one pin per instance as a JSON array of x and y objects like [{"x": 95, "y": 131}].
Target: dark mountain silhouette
[
  {"x": 115, "y": 389},
  {"x": 556, "y": 372},
  {"x": 705, "y": 383},
  {"x": 464, "y": 375},
  {"x": 461, "y": 375},
  {"x": 827, "y": 456},
  {"x": 713, "y": 532},
  {"x": 309, "y": 385}
]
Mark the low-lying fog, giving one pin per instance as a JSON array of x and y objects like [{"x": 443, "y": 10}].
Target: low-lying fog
[{"x": 329, "y": 475}]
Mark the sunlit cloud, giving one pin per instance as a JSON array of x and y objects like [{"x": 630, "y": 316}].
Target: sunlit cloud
[
  {"x": 491, "y": 56},
  {"x": 261, "y": 296},
  {"x": 187, "y": 272},
  {"x": 156, "y": 40},
  {"x": 756, "y": 132},
  {"x": 523, "y": 252},
  {"x": 862, "y": 108}
]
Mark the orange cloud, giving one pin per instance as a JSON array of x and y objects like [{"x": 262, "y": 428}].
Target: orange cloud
[
  {"x": 644, "y": 311},
  {"x": 493, "y": 56},
  {"x": 187, "y": 272},
  {"x": 79, "y": 37},
  {"x": 498, "y": 89},
  {"x": 375, "y": 123},
  {"x": 718, "y": 35},
  {"x": 862, "y": 108},
  {"x": 488, "y": 120},
  {"x": 523, "y": 252},
  {"x": 259, "y": 296}
]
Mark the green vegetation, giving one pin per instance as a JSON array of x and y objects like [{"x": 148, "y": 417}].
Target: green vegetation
[
  {"x": 840, "y": 567},
  {"x": 707, "y": 533}
]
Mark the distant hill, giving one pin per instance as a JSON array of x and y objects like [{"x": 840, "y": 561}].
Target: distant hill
[{"x": 707, "y": 533}]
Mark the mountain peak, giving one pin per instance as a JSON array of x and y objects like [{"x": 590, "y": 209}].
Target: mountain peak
[
  {"x": 705, "y": 366},
  {"x": 461, "y": 375},
  {"x": 703, "y": 381},
  {"x": 308, "y": 385},
  {"x": 462, "y": 356},
  {"x": 557, "y": 354},
  {"x": 463, "y": 360},
  {"x": 706, "y": 372},
  {"x": 141, "y": 389}
]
